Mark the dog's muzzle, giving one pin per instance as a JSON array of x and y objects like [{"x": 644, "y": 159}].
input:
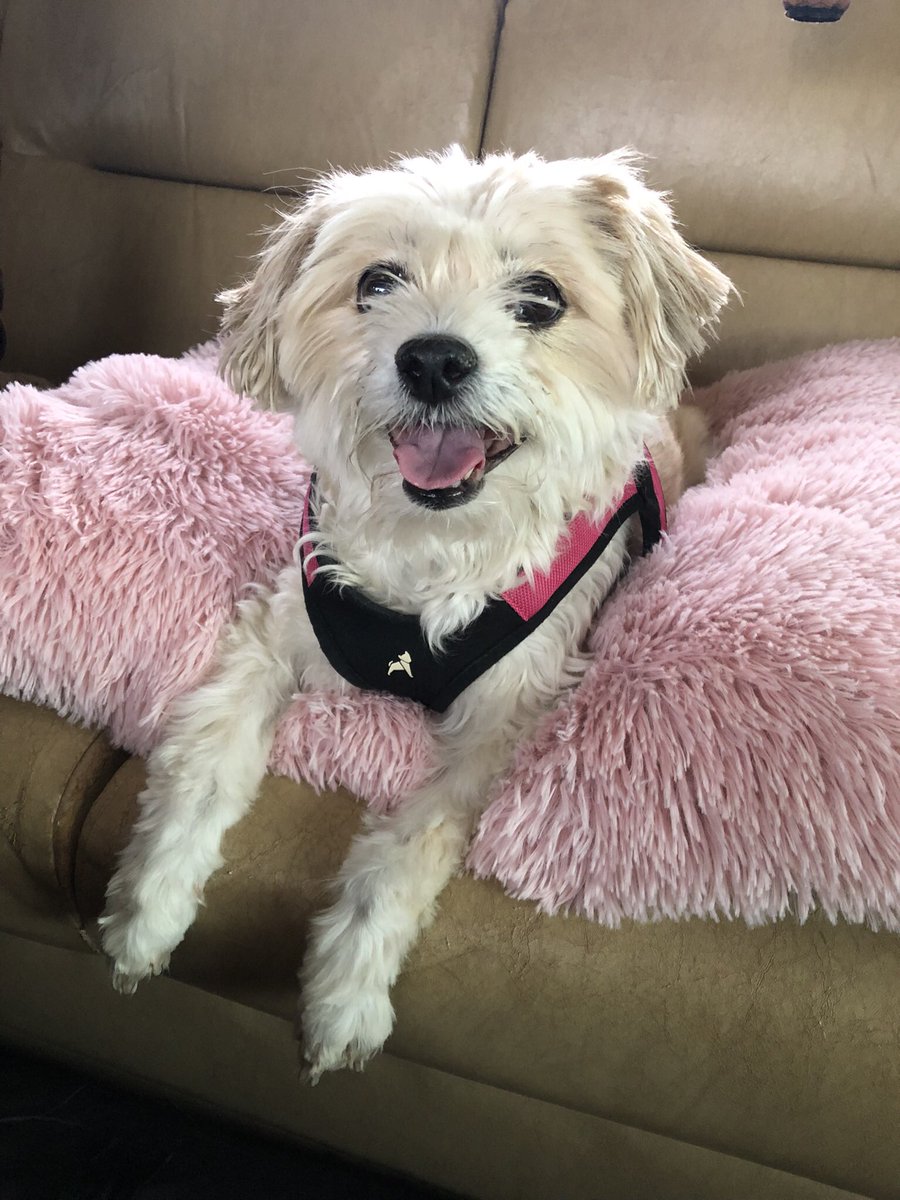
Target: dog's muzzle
[{"x": 443, "y": 460}]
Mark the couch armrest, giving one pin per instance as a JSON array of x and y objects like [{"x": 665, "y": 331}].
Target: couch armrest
[{"x": 50, "y": 774}]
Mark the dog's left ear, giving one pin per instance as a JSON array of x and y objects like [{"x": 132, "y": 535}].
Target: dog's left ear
[
  {"x": 672, "y": 293},
  {"x": 249, "y": 353}
]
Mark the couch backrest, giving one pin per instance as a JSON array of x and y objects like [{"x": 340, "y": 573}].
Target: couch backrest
[
  {"x": 138, "y": 139},
  {"x": 138, "y": 136},
  {"x": 780, "y": 142}
]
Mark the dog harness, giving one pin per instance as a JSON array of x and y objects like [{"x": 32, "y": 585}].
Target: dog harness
[{"x": 378, "y": 649}]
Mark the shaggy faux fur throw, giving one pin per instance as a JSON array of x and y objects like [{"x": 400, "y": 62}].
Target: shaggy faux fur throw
[{"x": 735, "y": 745}]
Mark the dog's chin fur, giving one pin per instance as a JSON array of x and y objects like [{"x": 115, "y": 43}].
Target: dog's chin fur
[{"x": 578, "y": 396}]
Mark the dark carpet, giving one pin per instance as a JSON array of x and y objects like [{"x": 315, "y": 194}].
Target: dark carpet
[{"x": 67, "y": 1136}]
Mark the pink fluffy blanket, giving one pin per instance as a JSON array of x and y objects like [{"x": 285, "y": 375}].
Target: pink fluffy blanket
[{"x": 735, "y": 746}]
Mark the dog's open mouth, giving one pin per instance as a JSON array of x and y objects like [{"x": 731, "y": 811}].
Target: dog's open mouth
[{"x": 444, "y": 466}]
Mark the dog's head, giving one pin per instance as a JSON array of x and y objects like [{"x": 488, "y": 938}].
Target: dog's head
[{"x": 454, "y": 329}]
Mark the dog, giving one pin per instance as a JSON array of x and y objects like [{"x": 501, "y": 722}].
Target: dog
[{"x": 482, "y": 358}]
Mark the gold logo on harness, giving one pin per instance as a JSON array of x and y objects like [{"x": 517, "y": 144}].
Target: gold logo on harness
[{"x": 401, "y": 663}]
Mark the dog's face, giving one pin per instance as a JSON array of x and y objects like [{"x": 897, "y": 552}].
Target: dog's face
[{"x": 452, "y": 332}]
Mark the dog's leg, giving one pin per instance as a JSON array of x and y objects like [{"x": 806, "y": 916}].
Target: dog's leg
[
  {"x": 691, "y": 430},
  {"x": 201, "y": 779},
  {"x": 386, "y": 892}
]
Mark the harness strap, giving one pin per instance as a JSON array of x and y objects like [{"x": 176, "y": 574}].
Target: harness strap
[{"x": 378, "y": 649}]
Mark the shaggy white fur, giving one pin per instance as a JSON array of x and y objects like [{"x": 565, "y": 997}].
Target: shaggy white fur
[{"x": 578, "y": 301}]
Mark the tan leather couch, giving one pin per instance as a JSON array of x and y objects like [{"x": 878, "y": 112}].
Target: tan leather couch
[{"x": 533, "y": 1057}]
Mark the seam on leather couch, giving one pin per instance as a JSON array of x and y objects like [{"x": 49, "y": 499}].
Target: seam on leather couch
[
  {"x": 492, "y": 73},
  {"x": 146, "y": 273},
  {"x": 282, "y": 191}
]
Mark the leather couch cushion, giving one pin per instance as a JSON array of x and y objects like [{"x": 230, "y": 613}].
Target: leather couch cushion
[
  {"x": 786, "y": 306},
  {"x": 776, "y": 138},
  {"x": 477, "y": 1140},
  {"x": 101, "y": 251},
  {"x": 50, "y": 774},
  {"x": 248, "y": 95},
  {"x": 98, "y": 263},
  {"x": 768, "y": 1043}
]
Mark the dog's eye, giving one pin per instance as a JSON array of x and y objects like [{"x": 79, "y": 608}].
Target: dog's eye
[
  {"x": 539, "y": 301},
  {"x": 376, "y": 281}
]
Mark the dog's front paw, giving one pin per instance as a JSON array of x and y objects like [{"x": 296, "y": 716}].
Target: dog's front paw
[
  {"x": 134, "y": 948},
  {"x": 336, "y": 1035},
  {"x": 127, "y": 976}
]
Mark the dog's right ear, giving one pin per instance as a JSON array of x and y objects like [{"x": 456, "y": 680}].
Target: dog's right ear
[
  {"x": 248, "y": 359},
  {"x": 672, "y": 293}
]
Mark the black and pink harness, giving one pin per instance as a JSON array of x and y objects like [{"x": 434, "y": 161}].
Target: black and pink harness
[{"x": 377, "y": 649}]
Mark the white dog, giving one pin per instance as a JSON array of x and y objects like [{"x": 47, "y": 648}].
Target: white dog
[{"x": 477, "y": 354}]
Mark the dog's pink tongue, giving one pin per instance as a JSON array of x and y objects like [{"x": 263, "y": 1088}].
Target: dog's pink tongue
[{"x": 437, "y": 458}]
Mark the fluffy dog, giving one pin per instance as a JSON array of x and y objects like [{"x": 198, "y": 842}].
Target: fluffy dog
[{"x": 476, "y": 353}]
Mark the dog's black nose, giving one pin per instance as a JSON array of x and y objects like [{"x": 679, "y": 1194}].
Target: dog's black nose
[{"x": 433, "y": 367}]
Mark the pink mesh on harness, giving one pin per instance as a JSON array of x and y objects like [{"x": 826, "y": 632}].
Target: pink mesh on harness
[{"x": 528, "y": 597}]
